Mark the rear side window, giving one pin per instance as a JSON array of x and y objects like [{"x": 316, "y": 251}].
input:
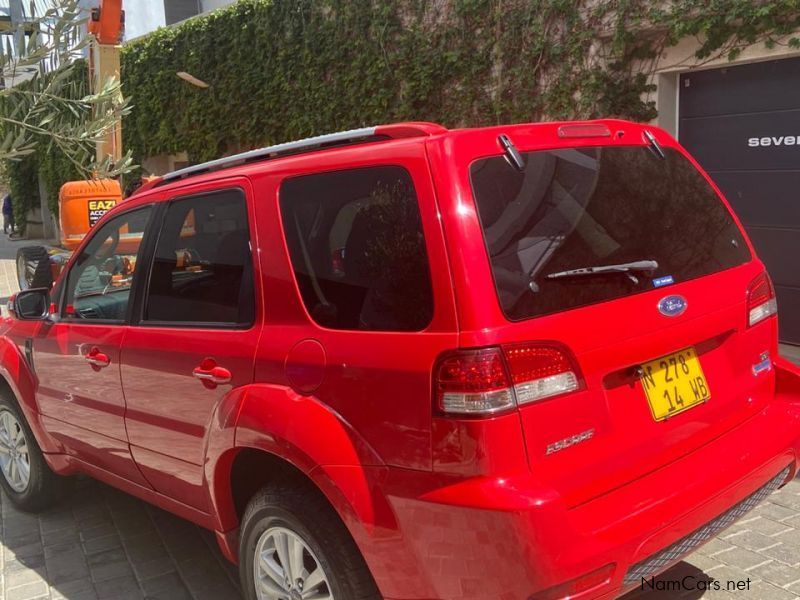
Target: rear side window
[
  {"x": 202, "y": 269},
  {"x": 356, "y": 245},
  {"x": 592, "y": 207}
]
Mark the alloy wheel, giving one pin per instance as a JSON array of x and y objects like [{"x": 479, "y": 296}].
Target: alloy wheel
[
  {"x": 15, "y": 462},
  {"x": 285, "y": 568}
]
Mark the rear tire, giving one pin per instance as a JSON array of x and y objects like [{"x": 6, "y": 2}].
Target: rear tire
[
  {"x": 298, "y": 525},
  {"x": 33, "y": 268},
  {"x": 24, "y": 475}
]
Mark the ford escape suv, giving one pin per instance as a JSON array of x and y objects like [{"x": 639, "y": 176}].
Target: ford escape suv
[{"x": 520, "y": 362}]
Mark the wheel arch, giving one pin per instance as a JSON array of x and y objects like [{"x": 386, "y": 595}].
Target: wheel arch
[
  {"x": 324, "y": 453},
  {"x": 17, "y": 378}
]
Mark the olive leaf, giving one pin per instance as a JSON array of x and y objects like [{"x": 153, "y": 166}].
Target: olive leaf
[{"x": 42, "y": 102}]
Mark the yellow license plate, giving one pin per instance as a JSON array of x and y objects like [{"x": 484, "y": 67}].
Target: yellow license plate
[{"x": 674, "y": 383}]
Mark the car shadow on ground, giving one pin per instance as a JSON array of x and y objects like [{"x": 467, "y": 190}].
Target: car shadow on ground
[{"x": 101, "y": 543}]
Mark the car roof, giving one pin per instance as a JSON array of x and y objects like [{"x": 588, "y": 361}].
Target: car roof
[{"x": 238, "y": 164}]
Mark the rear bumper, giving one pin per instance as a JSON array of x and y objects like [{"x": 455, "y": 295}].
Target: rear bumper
[{"x": 489, "y": 538}]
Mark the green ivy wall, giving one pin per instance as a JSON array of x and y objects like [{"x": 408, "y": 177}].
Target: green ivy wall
[{"x": 286, "y": 69}]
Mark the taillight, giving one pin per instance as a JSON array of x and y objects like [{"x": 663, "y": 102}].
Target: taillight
[
  {"x": 540, "y": 372},
  {"x": 761, "y": 302},
  {"x": 486, "y": 381},
  {"x": 473, "y": 382}
]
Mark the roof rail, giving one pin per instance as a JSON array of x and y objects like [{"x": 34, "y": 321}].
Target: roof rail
[{"x": 320, "y": 142}]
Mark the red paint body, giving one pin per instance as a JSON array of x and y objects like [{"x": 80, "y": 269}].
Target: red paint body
[{"x": 440, "y": 507}]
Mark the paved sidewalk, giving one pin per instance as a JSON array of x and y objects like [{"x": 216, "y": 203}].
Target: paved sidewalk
[{"x": 102, "y": 543}]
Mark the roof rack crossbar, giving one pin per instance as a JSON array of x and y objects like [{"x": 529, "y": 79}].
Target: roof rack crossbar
[{"x": 353, "y": 135}]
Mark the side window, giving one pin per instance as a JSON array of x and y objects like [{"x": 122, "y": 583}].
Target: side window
[
  {"x": 99, "y": 283},
  {"x": 357, "y": 249},
  {"x": 202, "y": 269}
]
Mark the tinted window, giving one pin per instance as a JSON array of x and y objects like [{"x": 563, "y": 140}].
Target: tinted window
[
  {"x": 356, "y": 245},
  {"x": 99, "y": 283},
  {"x": 202, "y": 268},
  {"x": 577, "y": 208}
]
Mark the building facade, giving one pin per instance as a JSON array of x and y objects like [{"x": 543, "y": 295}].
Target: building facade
[
  {"x": 144, "y": 16},
  {"x": 741, "y": 120}
]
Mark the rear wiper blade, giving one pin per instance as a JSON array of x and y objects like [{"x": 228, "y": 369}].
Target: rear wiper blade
[{"x": 645, "y": 266}]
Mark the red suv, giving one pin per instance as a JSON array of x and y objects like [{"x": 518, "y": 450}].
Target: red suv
[{"x": 519, "y": 362}]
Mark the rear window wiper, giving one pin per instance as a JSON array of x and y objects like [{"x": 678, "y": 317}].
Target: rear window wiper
[{"x": 643, "y": 266}]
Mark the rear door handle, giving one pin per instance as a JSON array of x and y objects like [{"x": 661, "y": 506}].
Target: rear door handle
[
  {"x": 209, "y": 372},
  {"x": 97, "y": 359}
]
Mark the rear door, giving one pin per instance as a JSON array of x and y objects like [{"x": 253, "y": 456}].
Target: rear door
[
  {"x": 678, "y": 312},
  {"x": 365, "y": 290},
  {"x": 194, "y": 338}
]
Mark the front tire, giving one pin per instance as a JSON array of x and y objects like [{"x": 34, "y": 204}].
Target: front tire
[
  {"x": 24, "y": 475},
  {"x": 293, "y": 547}
]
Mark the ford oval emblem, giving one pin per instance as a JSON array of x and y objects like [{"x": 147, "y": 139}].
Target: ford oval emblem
[{"x": 672, "y": 306}]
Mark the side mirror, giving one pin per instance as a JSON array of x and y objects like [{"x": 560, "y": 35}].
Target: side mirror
[{"x": 30, "y": 305}]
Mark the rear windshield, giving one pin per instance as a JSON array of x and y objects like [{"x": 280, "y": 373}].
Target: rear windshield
[{"x": 571, "y": 209}]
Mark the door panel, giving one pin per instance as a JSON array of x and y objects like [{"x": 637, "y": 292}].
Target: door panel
[
  {"x": 196, "y": 319},
  {"x": 359, "y": 293},
  {"x": 170, "y": 410},
  {"x": 77, "y": 357},
  {"x": 85, "y": 402}
]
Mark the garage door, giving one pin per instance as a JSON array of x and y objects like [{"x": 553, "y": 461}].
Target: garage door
[{"x": 742, "y": 123}]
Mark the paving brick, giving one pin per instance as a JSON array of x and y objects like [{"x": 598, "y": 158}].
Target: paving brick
[
  {"x": 167, "y": 587},
  {"x": 152, "y": 568},
  {"x": 68, "y": 566},
  {"x": 786, "y": 499},
  {"x": 102, "y": 544},
  {"x": 777, "y": 512},
  {"x": 701, "y": 562},
  {"x": 20, "y": 577},
  {"x": 763, "y": 590},
  {"x": 119, "y": 588},
  {"x": 109, "y": 565},
  {"x": 742, "y": 558},
  {"x": 784, "y": 553},
  {"x": 777, "y": 573},
  {"x": 715, "y": 546},
  {"x": 80, "y": 589},
  {"x": 768, "y": 526},
  {"x": 792, "y": 536},
  {"x": 752, "y": 540},
  {"x": 29, "y": 591}
]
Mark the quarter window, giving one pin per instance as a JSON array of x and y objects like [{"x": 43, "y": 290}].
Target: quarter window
[
  {"x": 99, "y": 283},
  {"x": 356, "y": 245},
  {"x": 202, "y": 268}
]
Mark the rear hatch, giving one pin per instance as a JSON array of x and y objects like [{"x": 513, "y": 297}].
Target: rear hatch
[{"x": 657, "y": 331}]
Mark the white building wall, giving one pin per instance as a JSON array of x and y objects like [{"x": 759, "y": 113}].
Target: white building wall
[
  {"x": 142, "y": 17},
  {"x": 208, "y": 5}
]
